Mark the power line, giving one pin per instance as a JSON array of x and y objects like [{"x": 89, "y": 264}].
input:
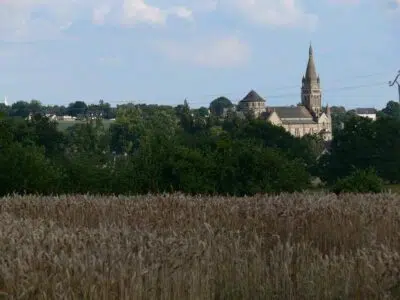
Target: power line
[
  {"x": 325, "y": 91},
  {"x": 342, "y": 79},
  {"x": 334, "y": 89}
]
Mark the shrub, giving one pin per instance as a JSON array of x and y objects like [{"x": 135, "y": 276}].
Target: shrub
[{"x": 360, "y": 181}]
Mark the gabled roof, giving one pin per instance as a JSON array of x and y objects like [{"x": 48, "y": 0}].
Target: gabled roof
[
  {"x": 252, "y": 96},
  {"x": 365, "y": 111},
  {"x": 292, "y": 112}
]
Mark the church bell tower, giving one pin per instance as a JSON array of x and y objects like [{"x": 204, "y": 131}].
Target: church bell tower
[{"x": 311, "y": 96}]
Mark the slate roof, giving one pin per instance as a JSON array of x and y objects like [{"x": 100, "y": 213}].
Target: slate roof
[
  {"x": 365, "y": 111},
  {"x": 295, "y": 121},
  {"x": 292, "y": 112},
  {"x": 311, "y": 73},
  {"x": 252, "y": 96}
]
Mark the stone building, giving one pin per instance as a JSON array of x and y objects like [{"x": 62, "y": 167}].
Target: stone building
[
  {"x": 308, "y": 118},
  {"x": 252, "y": 104}
]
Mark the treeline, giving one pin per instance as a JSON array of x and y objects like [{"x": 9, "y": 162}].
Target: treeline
[
  {"x": 75, "y": 109},
  {"x": 150, "y": 149},
  {"x": 78, "y": 109}
]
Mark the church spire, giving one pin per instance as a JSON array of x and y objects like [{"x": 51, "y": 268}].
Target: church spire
[
  {"x": 311, "y": 73},
  {"x": 311, "y": 96}
]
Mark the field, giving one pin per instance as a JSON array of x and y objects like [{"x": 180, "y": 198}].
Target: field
[
  {"x": 64, "y": 125},
  {"x": 301, "y": 246}
]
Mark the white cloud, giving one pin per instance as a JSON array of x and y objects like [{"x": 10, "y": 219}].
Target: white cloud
[
  {"x": 181, "y": 12},
  {"x": 26, "y": 19},
  {"x": 44, "y": 19},
  {"x": 135, "y": 11},
  {"x": 272, "y": 12},
  {"x": 138, "y": 11},
  {"x": 229, "y": 51}
]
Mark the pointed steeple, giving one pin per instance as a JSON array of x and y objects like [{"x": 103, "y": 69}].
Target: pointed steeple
[
  {"x": 311, "y": 96},
  {"x": 311, "y": 73}
]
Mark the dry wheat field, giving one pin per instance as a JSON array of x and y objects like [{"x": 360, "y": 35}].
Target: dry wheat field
[{"x": 299, "y": 246}]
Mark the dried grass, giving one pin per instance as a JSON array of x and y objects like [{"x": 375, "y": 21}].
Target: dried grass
[{"x": 301, "y": 246}]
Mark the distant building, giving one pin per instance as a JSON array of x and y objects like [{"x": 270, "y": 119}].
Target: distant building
[
  {"x": 253, "y": 104},
  {"x": 366, "y": 113},
  {"x": 308, "y": 118}
]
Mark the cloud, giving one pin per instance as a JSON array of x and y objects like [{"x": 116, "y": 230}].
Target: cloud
[
  {"x": 345, "y": 1},
  {"x": 223, "y": 52},
  {"x": 137, "y": 11},
  {"x": 272, "y": 12},
  {"x": 45, "y": 19}
]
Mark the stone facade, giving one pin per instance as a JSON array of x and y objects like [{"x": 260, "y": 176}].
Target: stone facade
[
  {"x": 308, "y": 118},
  {"x": 253, "y": 104}
]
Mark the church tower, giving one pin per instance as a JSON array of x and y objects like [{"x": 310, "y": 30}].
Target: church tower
[{"x": 311, "y": 89}]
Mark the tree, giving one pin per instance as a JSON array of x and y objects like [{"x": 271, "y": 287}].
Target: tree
[
  {"x": 20, "y": 109},
  {"x": 392, "y": 110},
  {"x": 35, "y": 107},
  {"x": 353, "y": 147},
  {"x": 387, "y": 143},
  {"x": 77, "y": 108},
  {"x": 201, "y": 112},
  {"x": 218, "y": 105},
  {"x": 46, "y": 134},
  {"x": 270, "y": 136},
  {"x": 247, "y": 168},
  {"x": 185, "y": 116},
  {"x": 89, "y": 137},
  {"x": 127, "y": 130},
  {"x": 25, "y": 169},
  {"x": 339, "y": 117}
]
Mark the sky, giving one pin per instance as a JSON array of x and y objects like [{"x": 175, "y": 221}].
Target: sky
[{"x": 165, "y": 51}]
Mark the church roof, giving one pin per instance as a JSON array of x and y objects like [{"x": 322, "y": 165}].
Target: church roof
[
  {"x": 311, "y": 73},
  {"x": 252, "y": 96},
  {"x": 292, "y": 112}
]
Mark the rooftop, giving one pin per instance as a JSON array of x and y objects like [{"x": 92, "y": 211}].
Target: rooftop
[{"x": 252, "y": 96}]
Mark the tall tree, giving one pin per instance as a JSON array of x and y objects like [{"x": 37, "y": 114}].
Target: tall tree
[
  {"x": 218, "y": 105},
  {"x": 77, "y": 108},
  {"x": 392, "y": 110}
]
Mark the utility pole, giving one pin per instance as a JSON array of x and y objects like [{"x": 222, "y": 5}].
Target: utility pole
[{"x": 391, "y": 83}]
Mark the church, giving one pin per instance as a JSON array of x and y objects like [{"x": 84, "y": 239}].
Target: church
[{"x": 308, "y": 118}]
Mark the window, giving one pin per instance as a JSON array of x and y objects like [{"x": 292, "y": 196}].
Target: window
[{"x": 297, "y": 132}]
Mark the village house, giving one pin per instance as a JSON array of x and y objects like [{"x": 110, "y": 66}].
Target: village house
[{"x": 369, "y": 113}]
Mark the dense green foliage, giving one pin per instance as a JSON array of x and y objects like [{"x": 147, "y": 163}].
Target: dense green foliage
[
  {"x": 360, "y": 181},
  {"x": 362, "y": 144},
  {"x": 151, "y": 149},
  {"x": 155, "y": 149}
]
